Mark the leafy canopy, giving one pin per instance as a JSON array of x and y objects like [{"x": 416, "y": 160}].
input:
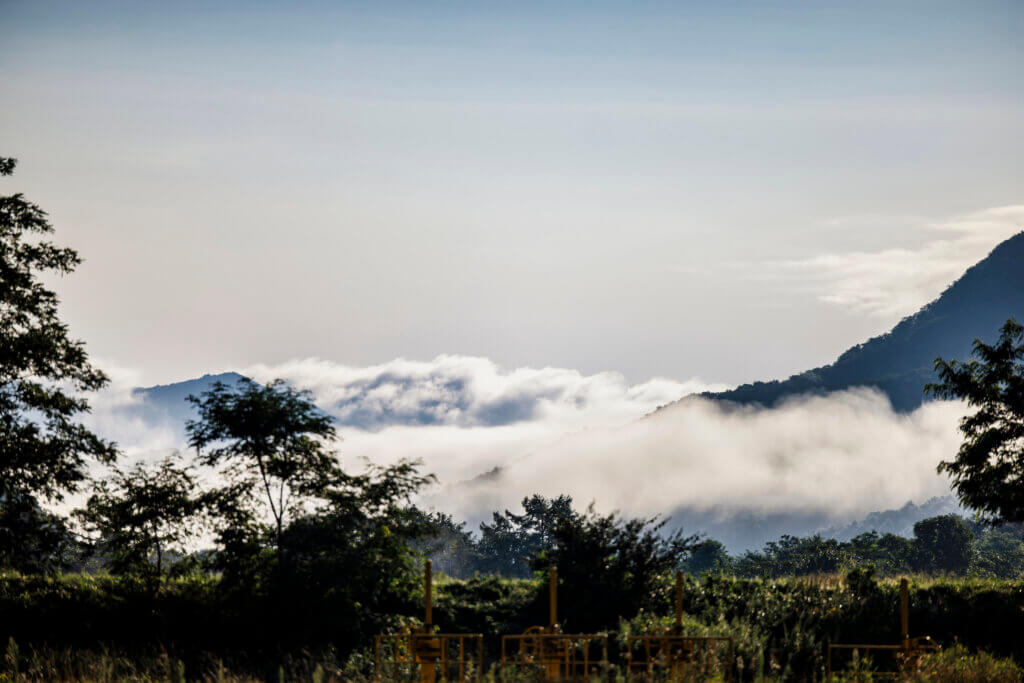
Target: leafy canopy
[
  {"x": 988, "y": 472},
  {"x": 141, "y": 515},
  {"x": 270, "y": 438},
  {"x": 42, "y": 447},
  {"x": 608, "y": 566}
]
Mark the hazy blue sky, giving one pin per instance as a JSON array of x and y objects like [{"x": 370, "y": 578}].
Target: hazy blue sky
[{"x": 731, "y": 190}]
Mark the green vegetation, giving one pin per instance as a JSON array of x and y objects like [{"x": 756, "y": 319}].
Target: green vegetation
[
  {"x": 43, "y": 449},
  {"x": 988, "y": 472},
  {"x": 780, "y": 627}
]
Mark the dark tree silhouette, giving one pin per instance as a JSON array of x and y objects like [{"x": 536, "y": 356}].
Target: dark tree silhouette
[
  {"x": 43, "y": 449},
  {"x": 609, "y": 567},
  {"x": 988, "y": 472},
  {"x": 269, "y": 438},
  {"x": 510, "y": 542},
  {"x": 142, "y": 515},
  {"x": 944, "y": 544}
]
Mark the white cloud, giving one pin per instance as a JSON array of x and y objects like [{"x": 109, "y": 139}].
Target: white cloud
[
  {"x": 896, "y": 282},
  {"x": 467, "y": 391},
  {"x": 829, "y": 458},
  {"x": 845, "y": 453},
  {"x": 812, "y": 461}
]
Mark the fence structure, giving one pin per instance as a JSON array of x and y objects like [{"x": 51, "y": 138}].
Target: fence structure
[
  {"x": 908, "y": 649},
  {"x": 667, "y": 654},
  {"x": 425, "y": 654},
  {"x": 546, "y": 653}
]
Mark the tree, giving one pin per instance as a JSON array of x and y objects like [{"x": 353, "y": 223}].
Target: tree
[
  {"x": 142, "y": 515},
  {"x": 793, "y": 556},
  {"x": 43, "y": 449},
  {"x": 707, "y": 556},
  {"x": 988, "y": 472},
  {"x": 510, "y": 542},
  {"x": 450, "y": 546},
  {"x": 1000, "y": 552},
  {"x": 353, "y": 561},
  {"x": 33, "y": 540},
  {"x": 269, "y": 437},
  {"x": 944, "y": 544},
  {"x": 608, "y": 567}
]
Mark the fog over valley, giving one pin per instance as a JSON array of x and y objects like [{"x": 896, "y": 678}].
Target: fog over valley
[{"x": 492, "y": 436}]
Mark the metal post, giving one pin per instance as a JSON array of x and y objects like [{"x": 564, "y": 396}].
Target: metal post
[
  {"x": 553, "y": 663},
  {"x": 428, "y": 586},
  {"x": 904, "y": 615},
  {"x": 428, "y": 667},
  {"x": 679, "y": 603},
  {"x": 677, "y": 666},
  {"x": 554, "y": 598}
]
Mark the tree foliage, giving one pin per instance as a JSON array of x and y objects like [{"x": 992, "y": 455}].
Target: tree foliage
[
  {"x": 34, "y": 540},
  {"x": 511, "y": 541},
  {"x": 707, "y": 556},
  {"x": 608, "y": 566},
  {"x": 142, "y": 515},
  {"x": 988, "y": 472},
  {"x": 268, "y": 438},
  {"x": 43, "y": 448},
  {"x": 358, "y": 550},
  {"x": 944, "y": 544}
]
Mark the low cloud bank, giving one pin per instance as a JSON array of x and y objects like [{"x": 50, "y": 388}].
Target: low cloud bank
[
  {"x": 741, "y": 474},
  {"x": 807, "y": 464},
  {"x": 467, "y": 391}
]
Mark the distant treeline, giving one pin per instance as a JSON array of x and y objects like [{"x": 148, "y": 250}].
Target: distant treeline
[{"x": 946, "y": 544}]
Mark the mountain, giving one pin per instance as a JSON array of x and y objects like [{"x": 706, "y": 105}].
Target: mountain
[
  {"x": 901, "y": 362},
  {"x": 165, "y": 403}
]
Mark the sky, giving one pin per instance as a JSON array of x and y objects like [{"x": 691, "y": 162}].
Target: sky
[{"x": 716, "y": 192}]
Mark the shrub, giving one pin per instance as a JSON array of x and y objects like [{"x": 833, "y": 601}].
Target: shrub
[{"x": 958, "y": 665}]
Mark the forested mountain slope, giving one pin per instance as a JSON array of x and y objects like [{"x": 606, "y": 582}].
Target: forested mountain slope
[{"x": 900, "y": 362}]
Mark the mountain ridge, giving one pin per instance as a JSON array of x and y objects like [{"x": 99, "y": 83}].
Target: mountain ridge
[{"x": 901, "y": 362}]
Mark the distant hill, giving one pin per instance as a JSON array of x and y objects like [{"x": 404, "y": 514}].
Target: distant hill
[
  {"x": 169, "y": 402},
  {"x": 901, "y": 362}
]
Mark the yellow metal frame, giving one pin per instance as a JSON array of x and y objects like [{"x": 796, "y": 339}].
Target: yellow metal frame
[
  {"x": 427, "y": 652},
  {"x": 429, "y": 656},
  {"x": 679, "y": 658},
  {"x": 676, "y": 657},
  {"x": 555, "y": 656},
  {"x": 549, "y": 652},
  {"x": 910, "y": 648}
]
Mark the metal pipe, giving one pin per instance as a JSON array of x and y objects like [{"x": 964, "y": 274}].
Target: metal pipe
[
  {"x": 554, "y": 597},
  {"x": 428, "y": 581},
  {"x": 904, "y": 614},
  {"x": 679, "y": 601}
]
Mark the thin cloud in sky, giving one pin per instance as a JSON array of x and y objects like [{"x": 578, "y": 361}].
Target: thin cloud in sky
[{"x": 896, "y": 282}]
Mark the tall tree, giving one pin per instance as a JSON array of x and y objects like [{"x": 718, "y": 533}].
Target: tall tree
[
  {"x": 988, "y": 472},
  {"x": 43, "y": 372},
  {"x": 268, "y": 438}
]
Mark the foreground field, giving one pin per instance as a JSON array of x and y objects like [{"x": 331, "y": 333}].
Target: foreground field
[{"x": 77, "y": 627}]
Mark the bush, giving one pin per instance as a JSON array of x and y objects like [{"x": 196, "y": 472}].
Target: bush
[{"x": 958, "y": 665}]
